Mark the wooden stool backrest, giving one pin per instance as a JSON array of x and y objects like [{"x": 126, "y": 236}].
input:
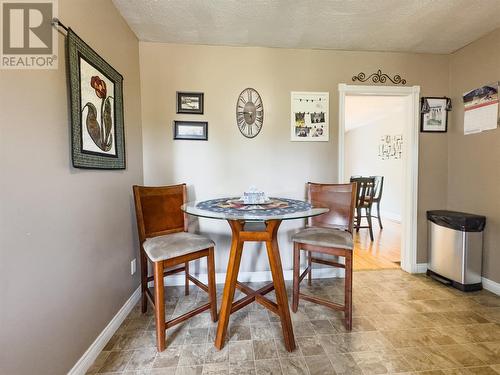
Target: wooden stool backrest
[
  {"x": 158, "y": 210},
  {"x": 379, "y": 186},
  {"x": 339, "y": 198},
  {"x": 365, "y": 190}
]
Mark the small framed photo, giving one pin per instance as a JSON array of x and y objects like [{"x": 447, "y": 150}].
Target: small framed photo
[
  {"x": 191, "y": 130},
  {"x": 435, "y": 117},
  {"x": 190, "y": 102}
]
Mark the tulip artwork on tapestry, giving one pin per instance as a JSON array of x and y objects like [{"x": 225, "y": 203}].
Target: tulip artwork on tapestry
[
  {"x": 100, "y": 132},
  {"x": 97, "y": 111}
]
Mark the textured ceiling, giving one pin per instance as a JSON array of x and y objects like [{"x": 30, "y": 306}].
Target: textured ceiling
[{"x": 434, "y": 26}]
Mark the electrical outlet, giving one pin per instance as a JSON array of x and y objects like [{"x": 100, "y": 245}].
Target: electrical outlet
[{"x": 133, "y": 266}]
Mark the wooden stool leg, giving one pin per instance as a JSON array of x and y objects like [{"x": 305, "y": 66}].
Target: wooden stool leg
[
  {"x": 159, "y": 306},
  {"x": 144, "y": 280},
  {"x": 369, "y": 219},
  {"x": 186, "y": 285},
  {"x": 233, "y": 267},
  {"x": 358, "y": 218},
  {"x": 309, "y": 264},
  {"x": 378, "y": 215},
  {"x": 296, "y": 271},
  {"x": 212, "y": 295},
  {"x": 348, "y": 291},
  {"x": 273, "y": 254}
]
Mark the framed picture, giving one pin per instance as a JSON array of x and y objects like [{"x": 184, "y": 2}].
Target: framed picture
[
  {"x": 96, "y": 100},
  {"x": 481, "y": 109},
  {"x": 191, "y": 130},
  {"x": 436, "y": 119},
  {"x": 309, "y": 116},
  {"x": 190, "y": 102},
  {"x": 390, "y": 147}
]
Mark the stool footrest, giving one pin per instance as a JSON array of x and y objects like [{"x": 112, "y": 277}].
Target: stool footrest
[
  {"x": 168, "y": 273},
  {"x": 254, "y": 295},
  {"x": 187, "y": 315},
  {"x": 306, "y": 271},
  {"x": 322, "y": 301},
  {"x": 198, "y": 283}
]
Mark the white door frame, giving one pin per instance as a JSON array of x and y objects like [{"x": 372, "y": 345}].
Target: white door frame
[{"x": 410, "y": 161}]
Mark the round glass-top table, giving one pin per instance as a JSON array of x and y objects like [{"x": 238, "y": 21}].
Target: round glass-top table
[
  {"x": 271, "y": 213},
  {"x": 234, "y": 209}
]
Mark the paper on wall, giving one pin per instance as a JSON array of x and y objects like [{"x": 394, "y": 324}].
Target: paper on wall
[{"x": 481, "y": 109}]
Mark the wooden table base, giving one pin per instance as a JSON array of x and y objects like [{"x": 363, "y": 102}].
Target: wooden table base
[{"x": 269, "y": 236}]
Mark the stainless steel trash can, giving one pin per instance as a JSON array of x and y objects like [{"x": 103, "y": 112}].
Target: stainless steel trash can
[{"x": 455, "y": 245}]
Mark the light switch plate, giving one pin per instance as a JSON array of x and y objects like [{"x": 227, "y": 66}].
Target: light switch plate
[{"x": 133, "y": 266}]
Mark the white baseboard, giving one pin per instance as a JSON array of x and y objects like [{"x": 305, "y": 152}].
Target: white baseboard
[
  {"x": 88, "y": 358},
  {"x": 421, "y": 268},
  {"x": 491, "y": 286},
  {"x": 390, "y": 216}
]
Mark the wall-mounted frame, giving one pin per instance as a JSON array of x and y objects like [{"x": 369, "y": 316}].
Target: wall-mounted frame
[
  {"x": 96, "y": 101},
  {"x": 191, "y": 130},
  {"x": 309, "y": 120},
  {"x": 190, "y": 102},
  {"x": 434, "y": 114}
]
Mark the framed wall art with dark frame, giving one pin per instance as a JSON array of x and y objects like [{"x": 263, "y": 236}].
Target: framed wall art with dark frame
[
  {"x": 434, "y": 114},
  {"x": 190, "y": 102},
  {"x": 191, "y": 130},
  {"x": 96, "y": 101}
]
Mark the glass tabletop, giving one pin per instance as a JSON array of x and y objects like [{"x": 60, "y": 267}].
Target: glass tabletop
[{"x": 233, "y": 208}]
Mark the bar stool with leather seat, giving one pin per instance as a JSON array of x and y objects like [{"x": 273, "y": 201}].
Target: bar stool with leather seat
[
  {"x": 166, "y": 242},
  {"x": 328, "y": 236}
]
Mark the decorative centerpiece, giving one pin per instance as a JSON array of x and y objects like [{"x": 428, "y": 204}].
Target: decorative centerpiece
[{"x": 254, "y": 196}]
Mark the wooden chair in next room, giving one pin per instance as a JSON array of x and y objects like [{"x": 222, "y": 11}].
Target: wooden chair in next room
[{"x": 364, "y": 201}]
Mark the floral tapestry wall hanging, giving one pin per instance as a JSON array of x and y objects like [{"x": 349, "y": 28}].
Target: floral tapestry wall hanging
[{"x": 96, "y": 92}]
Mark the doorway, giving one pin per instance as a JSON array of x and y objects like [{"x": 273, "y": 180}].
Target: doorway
[{"x": 363, "y": 110}]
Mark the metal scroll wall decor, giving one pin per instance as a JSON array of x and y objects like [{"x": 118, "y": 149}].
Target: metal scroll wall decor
[{"x": 379, "y": 77}]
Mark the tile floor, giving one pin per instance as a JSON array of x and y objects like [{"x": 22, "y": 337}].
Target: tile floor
[{"x": 403, "y": 324}]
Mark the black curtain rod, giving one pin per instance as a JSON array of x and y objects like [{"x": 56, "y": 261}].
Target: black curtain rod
[{"x": 57, "y": 23}]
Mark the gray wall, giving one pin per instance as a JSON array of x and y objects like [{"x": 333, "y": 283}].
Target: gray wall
[
  {"x": 66, "y": 235},
  {"x": 474, "y": 160},
  {"x": 228, "y": 163}
]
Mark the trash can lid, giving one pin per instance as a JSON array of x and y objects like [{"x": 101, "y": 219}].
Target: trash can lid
[{"x": 457, "y": 220}]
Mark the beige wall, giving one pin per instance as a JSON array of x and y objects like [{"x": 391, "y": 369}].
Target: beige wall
[
  {"x": 474, "y": 160},
  {"x": 228, "y": 163},
  {"x": 66, "y": 235}
]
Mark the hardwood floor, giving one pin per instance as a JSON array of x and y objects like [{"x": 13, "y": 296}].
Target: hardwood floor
[{"x": 383, "y": 252}]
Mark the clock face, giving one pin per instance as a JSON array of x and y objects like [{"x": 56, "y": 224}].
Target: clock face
[{"x": 249, "y": 113}]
